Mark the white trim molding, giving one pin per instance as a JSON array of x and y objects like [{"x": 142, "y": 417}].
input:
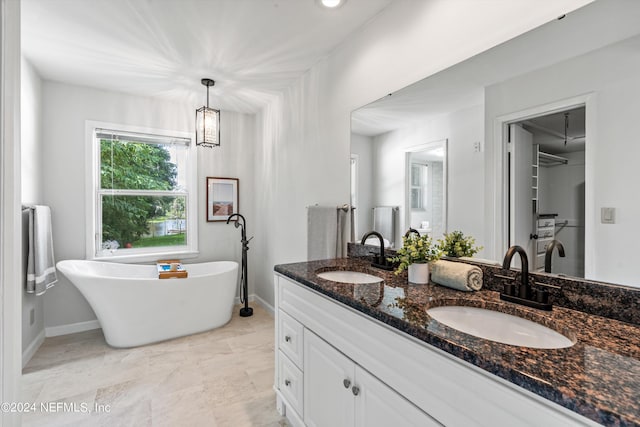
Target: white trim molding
[
  {"x": 31, "y": 349},
  {"x": 10, "y": 208},
  {"x": 72, "y": 328},
  {"x": 500, "y": 215}
]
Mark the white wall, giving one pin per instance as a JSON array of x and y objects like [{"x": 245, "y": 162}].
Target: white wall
[
  {"x": 363, "y": 146},
  {"x": 32, "y": 183},
  {"x": 303, "y": 156},
  {"x": 10, "y": 221},
  {"x": 610, "y": 75},
  {"x": 465, "y": 168},
  {"x": 563, "y": 193},
  {"x": 65, "y": 110},
  {"x": 31, "y": 135}
]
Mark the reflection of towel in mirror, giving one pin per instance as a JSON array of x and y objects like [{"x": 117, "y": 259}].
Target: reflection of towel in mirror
[
  {"x": 457, "y": 275},
  {"x": 326, "y": 232},
  {"x": 41, "y": 269}
]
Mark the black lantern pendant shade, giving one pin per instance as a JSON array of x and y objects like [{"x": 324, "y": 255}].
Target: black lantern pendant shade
[{"x": 208, "y": 122}]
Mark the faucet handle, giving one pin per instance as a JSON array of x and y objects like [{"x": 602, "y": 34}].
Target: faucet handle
[{"x": 542, "y": 296}]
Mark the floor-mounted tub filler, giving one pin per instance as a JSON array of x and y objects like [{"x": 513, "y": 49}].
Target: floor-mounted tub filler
[{"x": 134, "y": 307}]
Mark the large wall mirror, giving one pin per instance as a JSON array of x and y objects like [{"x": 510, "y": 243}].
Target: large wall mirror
[{"x": 531, "y": 143}]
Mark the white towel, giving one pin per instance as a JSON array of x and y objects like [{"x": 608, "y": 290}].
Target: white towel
[
  {"x": 327, "y": 233},
  {"x": 41, "y": 265},
  {"x": 457, "y": 275},
  {"x": 384, "y": 221},
  {"x": 342, "y": 219},
  {"x": 322, "y": 225}
]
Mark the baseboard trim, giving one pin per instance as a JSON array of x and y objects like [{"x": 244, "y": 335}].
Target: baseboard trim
[
  {"x": 263, "y": 303},
  {"x": 72, "y": 328},
  {"x": 31, "y": 349}
]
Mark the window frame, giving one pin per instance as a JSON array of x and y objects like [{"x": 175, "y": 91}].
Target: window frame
[
  {"x": 422, "y": 187},
  {"x": 94, "y": 197}
]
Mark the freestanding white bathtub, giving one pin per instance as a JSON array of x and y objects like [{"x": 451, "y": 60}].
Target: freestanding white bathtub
[{"x": 134, "y": 307}]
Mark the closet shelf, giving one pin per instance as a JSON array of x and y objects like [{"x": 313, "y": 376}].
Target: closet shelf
[{"x": 547, "y": 159}]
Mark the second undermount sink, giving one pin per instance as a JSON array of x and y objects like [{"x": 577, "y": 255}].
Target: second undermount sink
[
  {"x": 500, "y": 327},
  {"x": 356, "y": 277}
]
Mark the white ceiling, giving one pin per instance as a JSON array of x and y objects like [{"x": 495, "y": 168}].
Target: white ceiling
[
  {"x": 462, "y": 86},
  {"x": 162, "y": 48}
]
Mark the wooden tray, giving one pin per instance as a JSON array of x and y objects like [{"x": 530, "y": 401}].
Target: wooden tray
[{"x": 165, "y": 273}]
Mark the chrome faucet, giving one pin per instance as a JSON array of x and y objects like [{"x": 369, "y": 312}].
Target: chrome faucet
[
  {"x": 549, "y": 252},
  {"x": 524, "y": 289},
  {"x": 538, "y": 298},
  {"x": 380, "y": 261}
]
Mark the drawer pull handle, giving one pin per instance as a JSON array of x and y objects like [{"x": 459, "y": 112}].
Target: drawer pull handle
[
  {"x": 287, "y": 338},
  {"x": 355, "y": 390},
  {"x": 287, "y": 383},
  {"x": 347, "y": 383}
]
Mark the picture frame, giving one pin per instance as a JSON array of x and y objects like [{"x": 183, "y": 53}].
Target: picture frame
[{"x": 222, "y": 198}]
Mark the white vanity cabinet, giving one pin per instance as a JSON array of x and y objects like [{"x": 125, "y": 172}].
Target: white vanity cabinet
[
  {"x": 338, "y": 392},
  {"x": 325, "y": 349}
]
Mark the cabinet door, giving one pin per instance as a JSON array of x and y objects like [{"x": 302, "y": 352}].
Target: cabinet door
[
  {"x": 328, "y": 379},
  {"x": 377, "y": 405}
]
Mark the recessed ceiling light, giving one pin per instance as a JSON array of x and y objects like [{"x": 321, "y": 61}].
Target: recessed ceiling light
[{"x": 331, "y": 3}]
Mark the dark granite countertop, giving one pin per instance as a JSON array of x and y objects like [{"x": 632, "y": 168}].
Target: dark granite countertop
[{"x": 598, "y": 377}]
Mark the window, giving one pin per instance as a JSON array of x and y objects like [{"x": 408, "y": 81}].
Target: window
[
  {"x": 418, "y": 186},
  {"x": 143, "y": 194}
]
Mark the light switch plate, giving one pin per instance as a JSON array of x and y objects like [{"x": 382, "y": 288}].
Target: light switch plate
[{"x": 608, "y": 215}]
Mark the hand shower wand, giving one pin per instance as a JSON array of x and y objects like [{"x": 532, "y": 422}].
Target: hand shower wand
[{"x": 245, "y": 311}]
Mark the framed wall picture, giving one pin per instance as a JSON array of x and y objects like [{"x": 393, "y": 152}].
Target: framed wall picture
[{"x": 222, "y": 198}]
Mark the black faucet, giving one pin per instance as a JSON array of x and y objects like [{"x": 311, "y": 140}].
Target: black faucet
[
  {"x": 526, "y": 295},
  {"x": 547, "y": 256},
  {"x": 380, "y": 261},
  {"x": 524, "y": 288},
  {"x": 412, "y": 231}
]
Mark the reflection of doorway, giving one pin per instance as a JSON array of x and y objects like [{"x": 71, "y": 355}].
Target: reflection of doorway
[
  {"x": 547, "y": 188},
  {"x": 426, "y": 187}
]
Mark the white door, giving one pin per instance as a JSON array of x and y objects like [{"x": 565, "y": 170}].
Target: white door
[
  {"x": 377, "y": 405},
  {"x": 520, "y": 191},
  {"x": 328, "y": 381}
]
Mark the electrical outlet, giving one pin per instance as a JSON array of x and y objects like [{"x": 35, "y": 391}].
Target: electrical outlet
[
  {"x": 32, "y": 316},
  {"x": 477, "y": 147}
]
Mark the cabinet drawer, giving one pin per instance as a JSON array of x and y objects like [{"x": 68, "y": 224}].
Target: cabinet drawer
[
  {"x": 546, "y": 233},
  {"x": 290, "y": 337},
  {"x": 290, "y": 382},
  {"x": 547, "y": 222}
]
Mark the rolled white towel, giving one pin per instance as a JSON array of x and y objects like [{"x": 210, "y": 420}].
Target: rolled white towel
[{"x": 457, "y": 275}]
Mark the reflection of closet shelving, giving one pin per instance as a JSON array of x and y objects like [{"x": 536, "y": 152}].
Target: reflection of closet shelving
[
  {"x": 546, "y": 159},
  {"x": 535, "y": 177},
  {"x": 541, "y": 159}
]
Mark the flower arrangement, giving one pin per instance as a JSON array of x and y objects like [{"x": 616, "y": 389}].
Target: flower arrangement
[
  {"x": 416, "y": 249},
  {"x": 456, "y": 244}
]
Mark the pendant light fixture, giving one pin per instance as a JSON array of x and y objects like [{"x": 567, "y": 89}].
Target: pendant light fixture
[{"x": 207, "y": 122}]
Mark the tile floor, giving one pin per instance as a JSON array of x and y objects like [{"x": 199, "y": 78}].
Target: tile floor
[{"x": 222, "y": 377}]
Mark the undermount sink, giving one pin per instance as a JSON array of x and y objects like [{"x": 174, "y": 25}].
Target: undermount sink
[
  {"x": 500, "y": 327},
  {"x": 356, "y": 277}
]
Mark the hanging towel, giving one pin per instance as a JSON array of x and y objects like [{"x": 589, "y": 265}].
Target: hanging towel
[
  {"x": 457, "y": 275},
  {"x": 342, "y": 220},
  {"x": 322, "y": 223},
  {"x": 41, "y": 270},
  {"x": 384, "y": 221}
]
